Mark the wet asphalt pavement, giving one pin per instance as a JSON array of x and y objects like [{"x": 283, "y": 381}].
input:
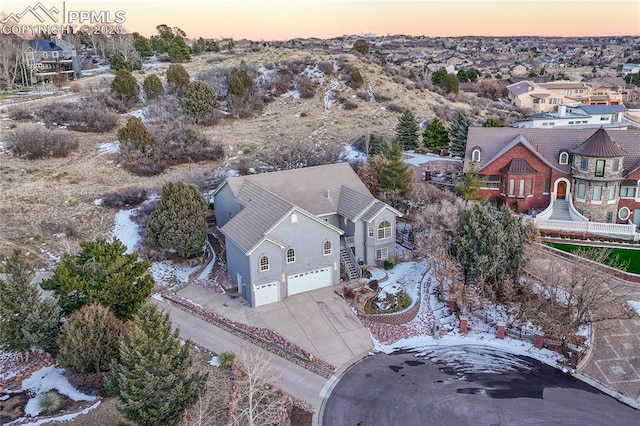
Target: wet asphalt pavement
[{"x": 467, "y": 386}]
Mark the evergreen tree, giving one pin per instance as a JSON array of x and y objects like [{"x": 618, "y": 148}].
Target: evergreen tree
[
  {"x": 459, "y": 129},
  {"x": 492, "y": 122},
  {"x": 378, "y": 145},
  {"x": 178, "y": 50},
  {"x": 142, "y": 45},
  {"x": 88, "y": 342},
  {"x": 177, "y": 77},
  {"x": 125, "y": 86},
  {"x": 394, "y": 177},
  {"x": 361, "y": 46},
  {"x": 435, "y": 136},
  {"x": 356, "y": 78},
  {"x": 152, "y": 86},
  {"x": 178, "y": 221},
  {"x": 200, "y": 99},
  {"x": 117, "y": 62},
  {"x": 438, "y": 77},
  {"x": 407, "y": 130},
  {"x": 26, "y": 321},
  {"x": 151, "y": 380},
  {"x": 135, "y": 134},
  {"x": 469, "y": 185},
  {"x": 102, "y": 273},
  {"x": 451, "y": 84}
]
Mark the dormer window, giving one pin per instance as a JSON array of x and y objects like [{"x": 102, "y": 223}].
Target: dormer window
[
  {"x": 564, "y": 158},
  {"x": 475, "y": 155}
]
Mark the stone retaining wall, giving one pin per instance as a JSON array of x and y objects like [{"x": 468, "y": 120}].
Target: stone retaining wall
[{"x": 395, "y": 318}]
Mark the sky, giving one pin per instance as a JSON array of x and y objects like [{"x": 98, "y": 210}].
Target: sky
[{"x": 286, "y": 19}]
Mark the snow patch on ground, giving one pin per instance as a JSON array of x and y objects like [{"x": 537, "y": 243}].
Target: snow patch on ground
[
  {"x": 167, "y": 273},
  {"x": 214, "y": 361},
  {"x": 126, "y": 230},
  {"x": 141, "y": 113},
  {"x": 350, "y": 153},
  {"x": 63, "y": 418},
  {"x": 635, "y": 305},
  {"x": 45, "y": 380},
  {"x": 291, "y": 94},
  {"x": 109, "y": 147},
  {"x": 4, "y": 148},
  {"x": 419, "y": 159},
  {"x": 329, "y": 94}
]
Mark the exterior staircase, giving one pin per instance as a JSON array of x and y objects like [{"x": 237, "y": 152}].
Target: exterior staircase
[
  {"x": 347, "y": 264},
  {"x": 560, "y": 210}
]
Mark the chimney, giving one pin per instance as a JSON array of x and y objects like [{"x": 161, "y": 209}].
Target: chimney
[{"x": 562, "y": 110}]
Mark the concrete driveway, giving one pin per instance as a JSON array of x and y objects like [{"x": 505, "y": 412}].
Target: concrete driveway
[{"x": 318, "y": 321}]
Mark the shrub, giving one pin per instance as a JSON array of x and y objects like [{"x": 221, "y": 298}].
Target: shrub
[
  {"x": 282, "y": 81},
  {"x": 36, "y": 142},
  {"x": 124, "y": 197},
  {"x": 125, "y": 87},
  {"x": 49, "y": 402},
  {"x": 20, "y": 113},
  {"x": 387, "y": 265},
  {"x": 200, "y": 100},
  {"x": 349, "y": 105},
  {"x": 75, "y": 87},
  {"x": 94, "y": 116},
  {"x": 227, "y": 359},
  {"x": 326, "y": 67},
  {"x": 178, "y": 222},
  {"x": 364, "y": 96},
  {"x": 135, "y": 133},
  {"x": 379, "y": 97},
  {"x": 373, "y": 284},
  {"x": 152, "y": 86},
  {"x": 177, "y": 77},
  {"x": 305, "y": 86},
  {"x": 88, "y": 342},
  {"x": 348, "y": 292},
  {"x": 395, "y": 108}
]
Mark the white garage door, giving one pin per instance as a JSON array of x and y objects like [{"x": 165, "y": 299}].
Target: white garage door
[
  {"x": 265, "y": 293},
  {"x": 307, "y": 281}
]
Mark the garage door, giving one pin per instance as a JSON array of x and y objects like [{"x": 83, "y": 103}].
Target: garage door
[
  {"x": 307, "y": 281},
  {"x": 265, "y": 293}
]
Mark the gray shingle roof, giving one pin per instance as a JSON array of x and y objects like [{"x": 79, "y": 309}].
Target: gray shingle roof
[
  {"x": 373, "y": 211},
  {"x": 314, "y": 189},
  {"x": 546, "y": 143},
  {"x": 262, "y": 210},
  {"x": 352, "y": 203},
  {"x": 599, "y": 145}
]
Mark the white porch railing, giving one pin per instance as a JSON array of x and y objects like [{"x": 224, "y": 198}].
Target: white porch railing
[
  {"x": 626, "y": 231},
  {"x": 575, "y": 214}
]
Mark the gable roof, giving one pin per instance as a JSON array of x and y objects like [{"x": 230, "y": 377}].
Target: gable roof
[
  {"x": 313, "y": 191},
  {"x": 599, "y": 145},
  {"x": 546, "y": 144},
  {"x": 518, "y": 166},
  {"x": 44, "y": 45}
]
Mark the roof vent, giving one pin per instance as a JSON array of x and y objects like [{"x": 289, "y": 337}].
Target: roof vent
[{"x": 328, "y": 194}]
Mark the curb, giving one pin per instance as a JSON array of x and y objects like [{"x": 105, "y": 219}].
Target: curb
[
  {"x": 327, "y": 389},
  {"x": 607, "y": 390}
]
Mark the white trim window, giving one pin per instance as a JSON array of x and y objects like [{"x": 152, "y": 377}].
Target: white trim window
[
  {"x": 326, "y": 248},
  {"x": 382, "y": 253},
  {"x": 475, "y": 155},
  {"x": 264, "y": 263},
  {"x": 371, "y": 232},
  {"x": 564, "y": 158},
  {"x": 582, "y": 191},
  {"x": 291, "y": 255},
  {"x": 624, "y": 213},
  {"x": 384, "y": 230}
]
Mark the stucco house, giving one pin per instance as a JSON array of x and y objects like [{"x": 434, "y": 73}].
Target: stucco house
[
  {"x": 293, "y": 231},
  {"x": 573, "y": 176},
  {"x": 577, "y": 116},
  {"x": 45, "y": 58}
]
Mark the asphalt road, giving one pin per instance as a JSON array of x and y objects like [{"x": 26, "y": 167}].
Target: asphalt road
[
  {"x": 293, "y": 379},
  {"x": 467, "y": 386}
]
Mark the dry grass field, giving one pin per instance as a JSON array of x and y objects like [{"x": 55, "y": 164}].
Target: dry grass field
[{"x": 42, "y": 199}]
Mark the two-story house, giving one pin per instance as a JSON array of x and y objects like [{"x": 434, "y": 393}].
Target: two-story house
[
  {"x": 571, "y": 174},
  {"x": 47, "y": 58},
  {"x": 577, "y": 116},
  {"x": 293, "y": 231}
]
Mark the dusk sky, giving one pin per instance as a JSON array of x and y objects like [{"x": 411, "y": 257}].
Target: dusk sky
[{"x": 285, "y": 19}]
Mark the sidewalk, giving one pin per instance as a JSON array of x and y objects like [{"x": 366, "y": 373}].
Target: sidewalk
[{"x": 297, "y": 381}]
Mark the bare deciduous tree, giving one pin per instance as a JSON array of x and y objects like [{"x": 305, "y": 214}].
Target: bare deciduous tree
[
  {"x": 11, "y": 61},
  {"x": 123, "y": 45},
  {"x": 260, "y": 402}
]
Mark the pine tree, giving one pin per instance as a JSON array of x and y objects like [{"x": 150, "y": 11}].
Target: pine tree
[
  {"x": 178, "y": 221},
  {"x": 378, "y": 145},
  {"x": 102, "y": 273},
  {"x": 394, "y": 178},
  {"x": 88, "y": 342},
  {"x": 200, "y": 99},
  {"x": 135, "y": 134},
  {"x": 178, "y": 50},
  {"x": 152, "y": 86},
  {"x": 151, "y": 379},
  {"x": 26, "y": 321},
  {"x": 459, "y": 130},
  {"x": 492, "y": 122},
  {"x": 125, "y": 86},
  {"x": 407, "y": 130},
  {"x": 142, "y": 45},
  {"x": 435, "y": 136}
]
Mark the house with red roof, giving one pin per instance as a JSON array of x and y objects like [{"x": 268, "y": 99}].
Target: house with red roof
[{"x": 576, "y": 179}]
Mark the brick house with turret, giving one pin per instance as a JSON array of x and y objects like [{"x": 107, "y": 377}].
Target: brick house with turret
[{"x": 577, "y": 175}]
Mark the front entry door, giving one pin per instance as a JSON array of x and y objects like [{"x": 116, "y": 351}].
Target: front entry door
[{"x": 562, "y": 190}]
